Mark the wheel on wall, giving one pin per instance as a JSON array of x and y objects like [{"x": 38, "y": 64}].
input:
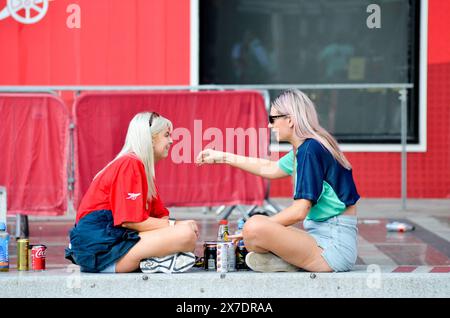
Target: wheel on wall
[{"x": 27, "y": 11}]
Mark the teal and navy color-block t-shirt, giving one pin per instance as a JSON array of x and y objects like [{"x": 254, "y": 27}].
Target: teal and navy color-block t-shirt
[{"x": 321, "y": 179}]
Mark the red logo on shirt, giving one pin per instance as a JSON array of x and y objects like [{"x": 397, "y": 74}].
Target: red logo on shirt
[{"x": 133, "y": 196}]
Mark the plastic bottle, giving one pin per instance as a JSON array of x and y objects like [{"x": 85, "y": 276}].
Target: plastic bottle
[
  {"x": 399, "y": 227},
  {"x": 240, "y": 226},
  {"x": 4, "y": 243},
  {"x": 241, "y": 251},
  {"x": 222, "y": 234}
]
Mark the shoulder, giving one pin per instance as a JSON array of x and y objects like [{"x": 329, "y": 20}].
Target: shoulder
[
  {"x": 312, "y": 147},
  {"x": 127, "y": 162},
  {"x": 288, "y": 156},
  {"x": 129, "y": 159}
]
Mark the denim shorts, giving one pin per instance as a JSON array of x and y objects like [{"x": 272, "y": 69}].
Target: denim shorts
[
  {"x": 110, "y": 269},
  {"x": 96, "y": 244},
  {"x": 337, "y": 236}
]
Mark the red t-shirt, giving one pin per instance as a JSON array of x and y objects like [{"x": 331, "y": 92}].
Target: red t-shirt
[{"x": 122, "y": 188}]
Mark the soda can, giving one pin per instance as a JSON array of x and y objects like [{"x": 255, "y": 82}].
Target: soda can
[
  {"x": 222, "y": 257},
  {"x": 241, "y": 253},
  {"x": 38, "y": 257},
  {"x": 210, "y": 255},
  {"x": 22, "y": 254},
  {"x": 399, "y": 227},
  {"x": 231, "y": 256}
]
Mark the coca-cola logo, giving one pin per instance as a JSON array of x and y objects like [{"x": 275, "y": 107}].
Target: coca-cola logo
[{"x": 40, "y": 253}]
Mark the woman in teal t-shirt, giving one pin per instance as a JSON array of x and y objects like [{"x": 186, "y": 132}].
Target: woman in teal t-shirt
[{"x": 324, "y": 196}]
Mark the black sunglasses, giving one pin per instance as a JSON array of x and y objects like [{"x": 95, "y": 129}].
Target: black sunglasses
[
  {"x": 272, "y": 118},
  {"x": 153, "y": 115}
]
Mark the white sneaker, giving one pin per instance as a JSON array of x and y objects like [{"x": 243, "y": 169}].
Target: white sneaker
[
  {"x": 268, "y": 262},
  {"x": 175, "y": 263}
]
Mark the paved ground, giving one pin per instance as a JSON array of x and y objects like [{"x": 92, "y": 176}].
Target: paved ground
[{"x": 412, "y": 264}]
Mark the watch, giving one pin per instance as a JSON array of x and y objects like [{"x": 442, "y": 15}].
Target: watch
[{"x": 172, "y": 221}]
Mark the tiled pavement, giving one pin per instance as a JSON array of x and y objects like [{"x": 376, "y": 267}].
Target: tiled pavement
[{"x": 426, "y": 249}]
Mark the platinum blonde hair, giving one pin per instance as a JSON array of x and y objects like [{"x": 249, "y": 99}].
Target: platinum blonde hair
[
  {"x": 139, "y": 141},
  {"x": 303, "y": 113}
]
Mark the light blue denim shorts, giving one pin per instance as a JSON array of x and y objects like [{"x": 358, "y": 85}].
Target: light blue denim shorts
[
  {"x": 110, "y": 269},
  {"x": 337, "y": 236}
]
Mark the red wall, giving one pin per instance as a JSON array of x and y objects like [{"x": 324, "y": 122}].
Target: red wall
[
  {"x": 119, "y": 42},
  {"x": 146, "y": 42}
]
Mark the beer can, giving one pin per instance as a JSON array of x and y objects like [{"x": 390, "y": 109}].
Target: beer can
[
  {"x": 38, "y": 257},
  {"x": 222, "y": 257},
  {"x": 231, "y": 248},
  {"x": 241, "y": 253},
  {"x": 210, "y": 255},
  {"x": 22, "y": 254}
]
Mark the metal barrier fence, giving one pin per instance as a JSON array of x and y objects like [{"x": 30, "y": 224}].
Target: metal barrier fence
[{"x": 401, "y": 87}]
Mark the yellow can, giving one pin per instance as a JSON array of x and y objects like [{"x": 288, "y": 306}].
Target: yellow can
[{"x": 22, "y": 254}]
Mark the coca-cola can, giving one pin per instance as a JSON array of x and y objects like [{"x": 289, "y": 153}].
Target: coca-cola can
[{"x": 38, "y": 257}]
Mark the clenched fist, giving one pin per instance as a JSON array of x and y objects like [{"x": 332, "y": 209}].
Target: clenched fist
[{"x": 210, "y": 156}]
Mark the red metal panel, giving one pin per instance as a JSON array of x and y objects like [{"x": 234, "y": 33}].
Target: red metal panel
[
  {"x": 102, "y": 120},
  {"x": 34, "y": 152}
]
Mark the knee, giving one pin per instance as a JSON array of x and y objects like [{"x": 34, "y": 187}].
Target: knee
[
  {"x": 187, "y": 239},
  {"x": 254, "y": 227}
]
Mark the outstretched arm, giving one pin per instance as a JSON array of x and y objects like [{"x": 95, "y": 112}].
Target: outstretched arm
[{"x": 261, "y": 167}]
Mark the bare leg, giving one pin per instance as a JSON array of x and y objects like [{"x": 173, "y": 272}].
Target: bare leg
[
  {"x": 158, "y": 243},
  {"x": 293, "y": 245}
]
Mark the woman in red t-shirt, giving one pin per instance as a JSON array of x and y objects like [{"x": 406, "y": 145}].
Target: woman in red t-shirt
[{"x": 122, "y": 224}]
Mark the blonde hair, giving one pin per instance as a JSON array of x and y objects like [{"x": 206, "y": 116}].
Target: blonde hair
[
  {"x": 139, "y": 143},
  {"x": 301, "y": 109}
]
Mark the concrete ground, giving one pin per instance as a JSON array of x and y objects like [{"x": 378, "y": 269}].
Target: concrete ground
[{"x": 390, "y": 264}]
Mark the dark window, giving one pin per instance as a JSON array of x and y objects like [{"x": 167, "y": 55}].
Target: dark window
[{"x": 318, "y": 42}]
